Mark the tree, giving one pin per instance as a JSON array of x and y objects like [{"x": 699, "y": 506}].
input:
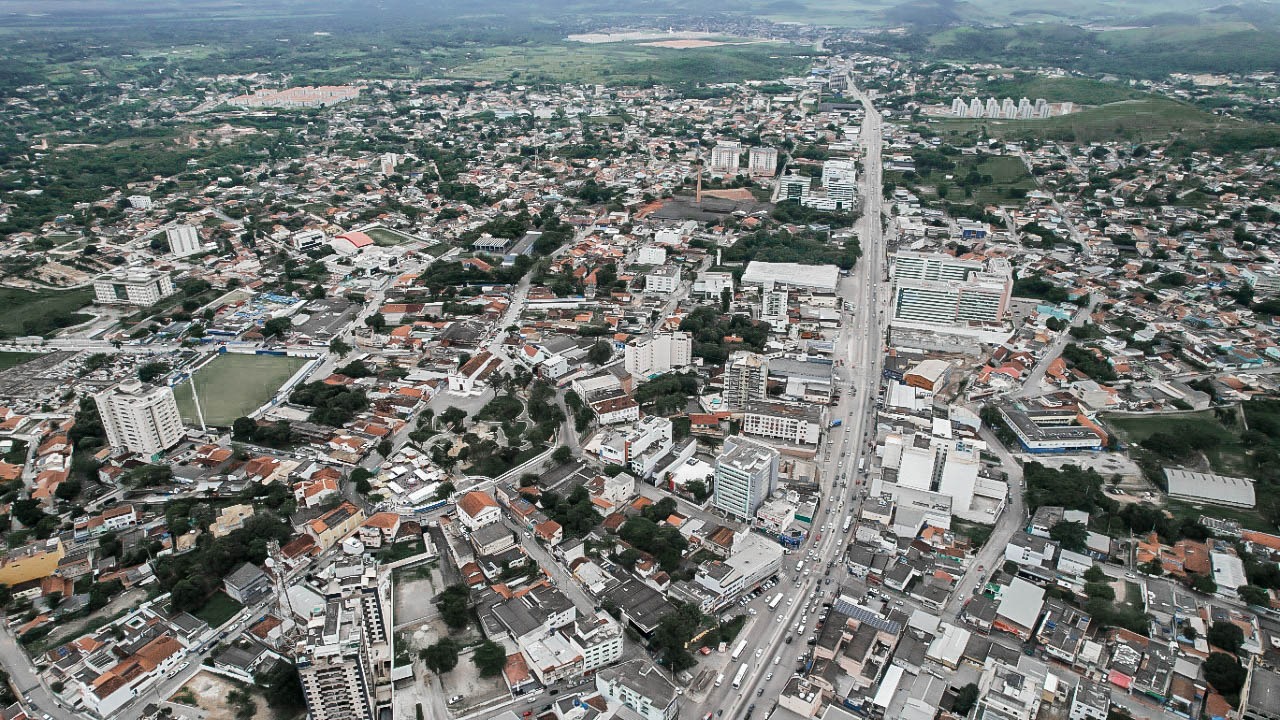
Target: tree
[
  {"x": 562, "y": 455},
  {"x": 244, "y": 429},
  {"x": 489, "y": 658},
  {"x": 1095, "y": 574},
  {"x": 455, "y": 606},
  {"x": 599, "y": 353},
  {"x": 454, "y": 416},
  {"x": 281, "y": 687},
  {"x": 1206, "y": 585},
  {"x": 698, "y": 489},
  {"x": 276, "y": 327},
  {"x": 1226, "y": 635},
  {"x": 966, "y": 697},
  {"x": 1255, "y": 595},
  {"x": 152, "y": 370},
  {"x": 1072, "y": 535},
  {"x": 376, "y": 322},
  {"x": 440, "y": 657},
  {"x": 339, "y": 347},
  {"x": 1224, "y": 673},
  {"x": 674, "y": 630}
]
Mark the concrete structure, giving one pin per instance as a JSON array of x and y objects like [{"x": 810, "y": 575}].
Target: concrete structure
[
  {"x": 1201, "y": 487},
  {"x": 662, "y": 280},
  {"x": 184, "y": 240},
  {"x": 1261, "y": 697},
  {"x": 136, "y": 286},
  {"x": 1089, "y": 701},
  {"x": 746, "y": 473},
  {"x": 247, "y": 584},
  {"x": 762, "y": 161},
  {"x": 725, "y": 157},
  {"x": 641, "y": 687},
  {"x": 477, "y": 509},
  {"x": 140, "y": 418},
  {"x": 660, "y": 353},
  {"x": 746, "y": 378},
  {"x": 1043, "y": 429},
  {"x": 818, "y": 278},
  {"x": 333, "y": 667},
  {"x": 33, "y": 561},
  {"x": 791, "y": 423},
  {"x": 939, "y": 289}
]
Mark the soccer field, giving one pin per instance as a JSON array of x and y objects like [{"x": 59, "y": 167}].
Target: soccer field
[{"x": 233, "y": 385}]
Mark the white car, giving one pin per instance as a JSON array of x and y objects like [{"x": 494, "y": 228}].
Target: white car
[
  {"x": 779, "y": 617},
  {"x": 759, "y": 652}
]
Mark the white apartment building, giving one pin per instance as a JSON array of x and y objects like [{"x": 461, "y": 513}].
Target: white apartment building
[
  {"x": 184, "y": 240},
  {"x": 725, "y": 157},
  {"x": 638, "y": 446},
  {"x": 600, "y": 639},
  {"x": 642, "y": 687},
  {"x": 651, "y": 255},
  {"x": 762, "y": 161},
  {"x": 795, "y": 424},
  {"x": 663, "y": 352},
  {"x": 662, "y": 280},
  {"x": 713, "y": 284},
  {"x": 140, "y": 418},
  {"x": 138, "y": 286},
  {"x": 1089, "y": 701},
  {"x": 746, "y": 378},
  {"x": 304, "y": 240},
  {"x": 746, "y": 473},
  {"x": 773, "y": 309},
  {"x": 334, "y": 668},
  {"x": 932, "y": 465},
  {"x": 1263, "y": 281}
]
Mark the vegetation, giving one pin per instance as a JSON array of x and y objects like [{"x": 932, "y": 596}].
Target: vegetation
[
  {"x": 334, "y": 405},
  {"x": 455, "y": 606},
  {"x": 441, "y": 656},
  {"x": 23, "y": 312}
]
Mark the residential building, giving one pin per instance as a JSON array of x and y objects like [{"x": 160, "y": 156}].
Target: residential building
[
  {"x": 662, "y": 280},
  {"x": 1261, "y": 697},
  {"x": 651, "y": 255},
  {"x": 140, "y": 418},
  {"x": 247, "y": 584},
  {"x": 746, "y": 377},
  {"x": 132, "y": 286},
  {"x": 334, "y": 669},
  {"x": 725, "y": 157},
  {"x": 746, "y": 473},
  {"x": 762, "y": 161},
  {"x": 328, "y": 529},
  {"x": 477, "y": 509},
  {"x": 1090, "y": 701},
  {"x": 659, "y": 353},
  {"x": 641, "y": 687},
  {"x": 184, "y": 240},
  {"x": 32, "y": 561},
  {"x": 791, "y": 423}
]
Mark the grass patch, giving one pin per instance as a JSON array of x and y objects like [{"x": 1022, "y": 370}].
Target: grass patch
[
  {"x": 400, "y": 551},
  {"x": 1228, "y": 457},
  {"x": 1249, "y": 519},
  {"x": 218, "y": 609},
  {"x": 42, "y": 312},
  {"x": 384, "y": 237},
  {"x": 1081, "y": 91},
  {"x": 233, "y": 385},
  {"x": 13, "y": 359}
]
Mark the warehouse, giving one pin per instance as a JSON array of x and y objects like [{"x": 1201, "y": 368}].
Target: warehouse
[{"x": 1201, "y": 487}]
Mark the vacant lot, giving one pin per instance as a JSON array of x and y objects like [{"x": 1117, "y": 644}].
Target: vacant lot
[
  {"x": 233, "y": 385},
  {"x": 44, "y": 312},
  {"x": 219, "y": 609},
  {"x": 210, "y": 692},
  {"x": 11, "y": 359},
  {"x": 1228, "y": 456},
  {"x": 1142, "y": 119}
]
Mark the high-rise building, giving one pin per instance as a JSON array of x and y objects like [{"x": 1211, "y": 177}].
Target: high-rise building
[
  {"x": 725, "y": 157},
  {"x": 793, "y": 187},
  {"x": 746, "y": 378},
  {"x": 183, "y": 240},
  {"x": 333, "y": 665},
  {"x": 140, "y": 418},
  {"x": 658, "y": 354},
  {"x": 137, "y": 286},
  {"x": 983, "y": 298},
  {"x": 762, "y": 161},
  {"x": 746, "y": 474},
  {"x": 909, "y": 265},
  {"x": 959, "y": 108}
]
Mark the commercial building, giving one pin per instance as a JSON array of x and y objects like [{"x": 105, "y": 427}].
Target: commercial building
[
  {"x": 136, "y": 286},
  {"x": 32, "y": 561},
  {"x": 794, "y": 187},
  {"x": 933, "y": 465},
  {"x": 746, "y": 378},
  {"x": 183, "y": 240},
  {"x": 247, "y": 584},
  {"x": 795, "y": 424},
  {"x": 477, "y": 509},
  {"x": 1044, "y": 429},
  {"x": 140, "y": 418},
  {"x": 1089, "y": 701},
  {"x": 908, "y": 265},
  {"x": 1208, "y": 488},
  {"x": 818, "y": 278},
  {"x": 641, "y": 687},
  {"x": 762, "y": 161},
  {"x": 725, "y": 157},
  {"x": 937, "y": 289},
  {"x": 663, "y": 352},
  {"x": 746, "y": 473}
]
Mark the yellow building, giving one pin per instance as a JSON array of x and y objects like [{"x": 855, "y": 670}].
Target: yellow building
[
  {"x": 230, "y": 519},
  {"x": 335, "y": 525},
  {"x": 31, "y": 562}
]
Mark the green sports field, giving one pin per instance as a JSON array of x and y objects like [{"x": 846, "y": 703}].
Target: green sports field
[{"x": 233, "y": 386}]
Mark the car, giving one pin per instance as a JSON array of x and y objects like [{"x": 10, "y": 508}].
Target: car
[
  {"x": 759, "y": 692},
  {"x": 186, "y": 664},
  {"x": 554, "y": 691},
  {"x": 788, "y": 640},
  {"x": 767, "y": 678},
  {"x": 759, "y": 652},
  {"x": 455, "y": 699},
  {"x": 527, "y": 713},
  {"x": 779, "y": 617},
  {"x": 1129, "y": 576}
]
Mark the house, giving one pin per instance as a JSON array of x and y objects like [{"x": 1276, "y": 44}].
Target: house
[
  {"x": 477, "y": 509},
  {"x": 641, "y": 687},
  {"x": 335, "y": 525},
  {"x": 247, "y": 584},
  {"x": 230, "y": 519},
  {"x": 380, "y": 529}
]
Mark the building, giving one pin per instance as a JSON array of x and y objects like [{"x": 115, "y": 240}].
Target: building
[
  {"x": 935, "y": 267},
  {"x": 183, "y": 240},
  {"x": 712, "y": 284},
  {"x": 651, "y": 255},
  {"x": 641, "y": 687},
  {"x": 660, "y": 353},
  {"x": 746, "y": 378},
  {"x": 1050, "y": 429},
  {"x": 725, "y": 157},
  {"x": 334, "y": 670},
  {"x": 134, "y": 286},
  {"x": 296, "y": 97},
  {"x": 820, "y": 279},
  {"x": 1264, "y": 281},
  {"x": 1261, "y": 697},
  {"x": 140, "y": 418},
  {"x": 762, "y": 161},
  {"x": 351, "y": 243},
  {"x": 1089, "y": 701},
  {"x": 790, "y": 423},
  {"x": 1198, "y": 487},
  {"x": 247, "y": 584},
  {"x": 662, "y": 280},
  {"x": 335, "y": 525},
  {"x": 33, "y": 561},
  {"x": 477, "y": 509},
  {"x": 746, "y": 473},
  {"x": 938, "y": 289},
  {"x": 794, "y": 187}
]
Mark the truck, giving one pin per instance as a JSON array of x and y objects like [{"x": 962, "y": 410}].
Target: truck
[
  {"x": 773, "y": 603},
  {"x": 837, "y": 422},
  {"x": 862, "y": 464},
  {"x": 737, "y": 679},
  {"x": 737, "y": 651}
]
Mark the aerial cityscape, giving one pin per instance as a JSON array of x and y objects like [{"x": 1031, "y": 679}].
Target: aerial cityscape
[{"x": 582, "y": 360}]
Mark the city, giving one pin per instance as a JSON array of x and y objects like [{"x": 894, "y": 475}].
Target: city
[{"x": 746, "y": 368}]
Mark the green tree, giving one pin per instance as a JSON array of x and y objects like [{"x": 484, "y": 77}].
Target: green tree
[
  {"x": 562, "y": 455},
  {"x": 276, "y": 327},
  {"x": 1224, "y": 673},
  {"x": 1226, "y": 635},
  {"x": 339, "y": 347},
  {"x": 599, "y": 353},
  {"x": 152, "y": 370},
  {"x": 698, "y": 489},
  {"x": 489, "y": 658},
  {"x": 377, "y": 322},
  {"x": 455, "y": 606},
  {"x": 1254, "y": 595},
  {"x": 1072, "y": 535},
  {"x": 966, "y": 698},
  {"x": 441, "y": 656}
]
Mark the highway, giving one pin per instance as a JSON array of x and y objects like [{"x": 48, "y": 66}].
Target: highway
[{"x": 770, "y": 658}]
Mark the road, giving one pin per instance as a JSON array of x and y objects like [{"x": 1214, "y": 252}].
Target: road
[
  {"x": 1031, "y": 386},
  {"x": 859, "y": 345}
]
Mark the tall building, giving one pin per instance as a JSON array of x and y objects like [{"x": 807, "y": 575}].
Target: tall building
[
  {"x": 183, "y": 240},
  {"x": 660, "y": 353},
  {"x": 725, "y": 157},
  {"x": 942, "y": 290},
  {"x": 334, "y": 660},
  {"x": 140, "y": 418},
  {"x": 746, "y": 474},
  {"x": 137, "y": 286},
  {"x": 746, "y": 378},
  {"x": 793, "y": 187},
  {"x": 909, "y": 265},
  {"x": 762, "y": 161}
]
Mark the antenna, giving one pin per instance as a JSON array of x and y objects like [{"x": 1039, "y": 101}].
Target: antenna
[{"x": 196, "y": 397}]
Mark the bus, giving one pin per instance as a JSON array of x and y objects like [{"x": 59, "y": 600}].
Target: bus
[
  {"x": 862, "y": 464},
  {"x": 737, "y": 651},
  {"x": 737, "y": 679},
  {"x": 848, "y": 520},
  {"x": 774, "y": 602},
  {"x": 799, "y": 566}
]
